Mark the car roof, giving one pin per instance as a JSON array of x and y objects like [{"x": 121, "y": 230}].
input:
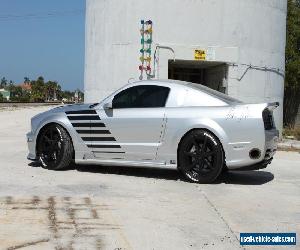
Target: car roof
[
  {"x": 195, "y": 86},
  {"x": 163, "y": 81}
]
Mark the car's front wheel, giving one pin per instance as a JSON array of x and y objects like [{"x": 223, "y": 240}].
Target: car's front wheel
[
  {"x": 54, "y": 147},
  {"x": 200, "y": 156}
]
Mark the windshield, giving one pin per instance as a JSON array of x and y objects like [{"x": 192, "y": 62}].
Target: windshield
[{"x": 225, "y": 98}]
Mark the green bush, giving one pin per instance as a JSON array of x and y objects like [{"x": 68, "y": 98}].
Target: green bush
[{"x": 292, "y": 132}]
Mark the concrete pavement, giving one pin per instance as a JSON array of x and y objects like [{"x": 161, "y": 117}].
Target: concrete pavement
[{"x": 96, "y": 207}]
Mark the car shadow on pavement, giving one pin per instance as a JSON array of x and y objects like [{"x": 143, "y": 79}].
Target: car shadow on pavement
[
  {"x": 251, "y": 177},
  {"x": 157, "y": 173}
]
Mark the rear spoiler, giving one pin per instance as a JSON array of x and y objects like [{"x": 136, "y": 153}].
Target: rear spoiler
[{"x": 272, "y": 105}]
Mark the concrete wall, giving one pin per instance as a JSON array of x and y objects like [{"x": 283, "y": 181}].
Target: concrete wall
[
  {"x": 215, "y": 77},
  {"x": 234, "y": 31}
]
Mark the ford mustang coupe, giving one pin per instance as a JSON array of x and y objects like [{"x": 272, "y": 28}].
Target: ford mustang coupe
[{"x": 170, "y": 124}]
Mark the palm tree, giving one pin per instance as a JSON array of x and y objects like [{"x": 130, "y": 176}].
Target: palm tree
[
  {"x": 26, "y": 79},
  {"x": 3, "y": 83}
]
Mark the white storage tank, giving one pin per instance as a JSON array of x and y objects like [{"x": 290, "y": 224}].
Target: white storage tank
[{"x": 242, "y": 41}]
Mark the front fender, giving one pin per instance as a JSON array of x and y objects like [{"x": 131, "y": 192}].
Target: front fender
[{"x": 62, "y": 120}]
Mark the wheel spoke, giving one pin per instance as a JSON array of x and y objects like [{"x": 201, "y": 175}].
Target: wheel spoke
[
  {"x": 191, "y": 166},
  {"x": 54, "y": 156},
  {"x": 194, "y": 142},
  {"x": 209, "y": 153},
  {"x": 57, "y": 148},
  {"x": 203, "y": 149},
  {"x": 208, "y": 163},
  {"x": 192, "y": 154},
  {"x": 201, "y": 165}
]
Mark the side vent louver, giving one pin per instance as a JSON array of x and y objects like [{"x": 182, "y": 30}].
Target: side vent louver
[{"x": 93, "y": 131}]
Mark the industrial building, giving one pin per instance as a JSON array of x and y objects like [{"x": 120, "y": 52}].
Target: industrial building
[{"x": 234, "y": 46}]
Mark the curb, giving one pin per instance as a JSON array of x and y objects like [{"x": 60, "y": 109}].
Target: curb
[{"x": 289, "y": 145}]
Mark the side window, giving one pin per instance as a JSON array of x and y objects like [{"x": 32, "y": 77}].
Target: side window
[
  {"x": 143, "y": 96},
  {"x": 125, "y": 99},
  {"x": 153, "y": 96}
]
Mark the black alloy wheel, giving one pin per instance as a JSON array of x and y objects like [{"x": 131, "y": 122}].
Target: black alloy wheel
[
  {"x": 54, "y": 148},
  {"x": 200, "y": 156}
]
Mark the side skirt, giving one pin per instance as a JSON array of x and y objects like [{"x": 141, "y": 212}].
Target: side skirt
[{"x": 150, "y": 164}]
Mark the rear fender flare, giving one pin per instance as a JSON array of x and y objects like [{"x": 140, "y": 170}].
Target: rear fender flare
[{"x": 209, "y": 125}]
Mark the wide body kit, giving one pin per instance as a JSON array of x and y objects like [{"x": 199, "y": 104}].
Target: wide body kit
[{"x": 150, "y": 136}]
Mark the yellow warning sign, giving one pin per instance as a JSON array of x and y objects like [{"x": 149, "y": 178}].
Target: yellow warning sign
[{"x": 199, "y": 54}]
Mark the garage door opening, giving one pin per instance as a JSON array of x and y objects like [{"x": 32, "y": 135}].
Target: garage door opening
[{"x": 210, "y": 74}]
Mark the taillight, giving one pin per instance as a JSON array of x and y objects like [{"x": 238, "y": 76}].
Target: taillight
[{"x": 267, "y": 116}]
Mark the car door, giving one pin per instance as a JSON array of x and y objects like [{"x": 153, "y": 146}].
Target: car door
[{"x": 135, "y": 124}]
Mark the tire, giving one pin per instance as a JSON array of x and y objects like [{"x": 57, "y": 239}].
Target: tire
[
  {"x": 200, "y": 156},
  {"x": 54, "y": 148}
]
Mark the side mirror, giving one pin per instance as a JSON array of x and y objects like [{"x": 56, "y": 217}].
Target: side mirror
[{"x": 107, "y": 105}]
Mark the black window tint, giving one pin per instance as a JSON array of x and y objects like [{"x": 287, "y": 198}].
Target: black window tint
[
  {"x": 144, "y": 96},
  {"x": 126, "y": 98}
]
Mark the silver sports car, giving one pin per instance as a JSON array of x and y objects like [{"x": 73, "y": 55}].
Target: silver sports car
[{"x": 170, "y": 124}]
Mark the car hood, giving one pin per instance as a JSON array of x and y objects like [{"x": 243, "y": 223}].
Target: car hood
[
  {"x": 62, "y": 109},
  {"x": 73, "y": 107}
]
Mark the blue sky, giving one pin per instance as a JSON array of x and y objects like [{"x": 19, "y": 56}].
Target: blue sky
[{"x": 43, "y": 37}]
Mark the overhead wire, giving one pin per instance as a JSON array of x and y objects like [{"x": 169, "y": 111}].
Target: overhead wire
[{"x": 41, "y": 15}]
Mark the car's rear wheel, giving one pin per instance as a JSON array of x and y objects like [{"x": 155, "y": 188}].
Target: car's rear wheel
[
  {"x": 54, "y": 147},
  {"x": 200, "y": 156}
]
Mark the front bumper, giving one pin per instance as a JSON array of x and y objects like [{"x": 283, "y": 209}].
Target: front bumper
[{"x": 31, "y": 146}]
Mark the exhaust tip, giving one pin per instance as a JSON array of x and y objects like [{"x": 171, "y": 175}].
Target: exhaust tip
[{"x": 254, "y": 153}]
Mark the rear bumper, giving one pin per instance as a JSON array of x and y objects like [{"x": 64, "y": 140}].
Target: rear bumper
[
  {"x": 260, "y": 165},
  {"x": 267, "y": 153},
  {"x": 271, "y": 142}
]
